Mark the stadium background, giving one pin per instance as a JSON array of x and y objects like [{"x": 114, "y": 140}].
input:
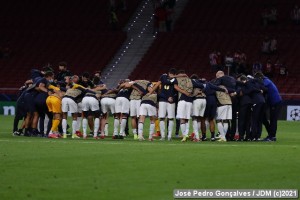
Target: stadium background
[{"x": 36, "y": 33}]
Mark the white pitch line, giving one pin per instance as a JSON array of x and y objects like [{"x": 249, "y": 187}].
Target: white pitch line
[{"x": 139, "y": 143}]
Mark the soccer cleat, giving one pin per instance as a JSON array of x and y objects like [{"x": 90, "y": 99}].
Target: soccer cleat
[
  {"x": 169, "y": 138},
  {"x": 64, "y": 135},
  {"x": 115, "y": 137},
  {"x": 196, "y": 140},
  {"x": 204, "y": 139},
  {"x": 53, "y": 136},
  {"x": 150, "y": 139},
  {"x": 121, "y": 137},
  {"x": 74, "y": 136},
  {"x": 85, "y": 137},
  {"x": 222, "y": 140},
  {"x": 162, "y": 139},
  {"x": 212, "y": 139},
  {"x": 96, "y": 137},
  {"x": 102, "y": 136},
  {"x": 192, "y": 137},
  {"x": 141, "y": 138},
  {"x": 135, "y": 136},
  {"x": 184, "y": 138},
  {"x": 79, "y": 134},
  {"x": 157, "y": 134},
  {"x": 236, "y": 137}
]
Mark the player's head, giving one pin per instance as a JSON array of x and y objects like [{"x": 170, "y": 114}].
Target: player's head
[
  {"x": 172, "y": 72},
  {"x": 181, "y": 71},
  {"x": 97, "y": 74},
  {"x": 259, "y": 75},
  {"x": 49, "y": 75},
  {"x": 194, "y": 76},
  {"x": 242, "y": 78},
  {"x": 219, "y": 74},
  {"x": 62, "y": 66},
  {"x": 85, "y": 76}
]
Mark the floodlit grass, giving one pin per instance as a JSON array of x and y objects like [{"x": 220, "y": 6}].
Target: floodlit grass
[{"x": 41, "y": 168}]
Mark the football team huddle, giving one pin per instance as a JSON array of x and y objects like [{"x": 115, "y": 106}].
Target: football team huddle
[{"x": 238, "y": 106}]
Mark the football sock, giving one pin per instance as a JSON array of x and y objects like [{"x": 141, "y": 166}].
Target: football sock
[
  {"x": 170, "y": 128},
  {"x": 96, "y": 126},
  {"x": 195, "y": 128},
  {"x": 55, "y": 123},
  {"x": 162, "y": 128},
  {"x": 84, "y": 126},
  {"x": 151, "y": 130},
  {"x": 74, "y": 126},
  {"x": 116, "y": 126},
  {"x": 64, "y": 126},
  {"x": 140, "y": 127}
]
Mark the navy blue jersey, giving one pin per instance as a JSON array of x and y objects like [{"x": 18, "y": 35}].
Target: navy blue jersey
[
  {"x": 124, "y": 93},
  {"x": 255, "y": 86},
  {"x": 167, "y": 89},
  {"x": 210, "y": 92},
  {"x": 228, "y": 81}
]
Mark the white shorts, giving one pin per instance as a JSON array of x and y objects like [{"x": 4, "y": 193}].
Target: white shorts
[
  {"x": 199, "y": 107},
  {"x": 122, "y": 105},
  {"x": 166, "y": 110},
  {"x": 108, "y": 104},
  {"x": 90, "y": 103},
  {"x": 68, "y": 104},
  {"x": 147, "y": 110},
  {"x": 184, "y": 110},
  {"x": 135, "y": 108},
  {"x": 224, "y": 112}
]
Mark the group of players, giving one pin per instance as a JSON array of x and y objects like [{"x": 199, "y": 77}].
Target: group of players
[{"x": 238, "y": 106}]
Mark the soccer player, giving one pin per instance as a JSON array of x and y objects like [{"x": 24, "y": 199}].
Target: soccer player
[
  {"x": 184, "y": 85},
  {"x": 167, "y": 100},
  {"x": 198, "y": 109},
  {"x": 122, "y": 108},
  {"x": 62, "y": 72},
  {"x": 274, "y": 103},
  {"x": 53, "y": 102},
  {"x": 230, "y": 83},
  {"x": 135, "y": 103},
  {"x": 226, "y": 111},
  {"x": 148, "y": 108},
  {"x": 90, "y": 102}
]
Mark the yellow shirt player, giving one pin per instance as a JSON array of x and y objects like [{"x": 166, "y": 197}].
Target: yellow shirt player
[{"x": 53, "y": 102}]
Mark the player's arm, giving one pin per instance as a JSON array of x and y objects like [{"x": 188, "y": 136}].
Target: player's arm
[
  {"x": 42, "y": 87},
  {"x": 155, "y": 87},
  {"x": 181, "y": 90}
]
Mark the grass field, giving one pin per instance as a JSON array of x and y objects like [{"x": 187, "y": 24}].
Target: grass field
[{"x": 40, "y": 168}]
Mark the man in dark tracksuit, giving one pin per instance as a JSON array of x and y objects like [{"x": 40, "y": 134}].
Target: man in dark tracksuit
[
  {"x": 258, "y": 101},
  {"x": 273, "y": 101},
  {"x": 245, "y": 105}
]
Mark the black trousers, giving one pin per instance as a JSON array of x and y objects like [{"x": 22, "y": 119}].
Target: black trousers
[
  {"x": 271, "y": 126},
  {"x": 244, "y": 121},
  {"x": 257, "y": 119}
]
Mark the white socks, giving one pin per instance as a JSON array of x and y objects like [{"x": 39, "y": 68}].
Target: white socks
[
  {"x": 151, "y": 130},
  {"x": 140, "y": 128},
  {"x": 79, "y": 119},
  {"x": 64, "y": 126},
  {"x": 196, "y": 128},
  {"x": 162, "y": 128},
  {"x": 96, "y": 126},
  {"x": 123, "y": 126},
  {"x": 170, "y": 128},
  {"x": 84, "y": 126},
  {"x": 182, "y": 128},
  {"x": 116, "y": 126},
  {"x": 74, "y": 126}
]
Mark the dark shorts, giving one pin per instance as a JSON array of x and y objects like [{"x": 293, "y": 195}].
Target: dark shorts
[
  {"x": 29, "y": 102},
  {"x": 40, "y": 102},
  {"x": 210, "y": 111}
]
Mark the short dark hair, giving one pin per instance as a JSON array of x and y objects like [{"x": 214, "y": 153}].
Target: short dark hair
[
  {"x": 173, "y": 71},
  {"x": 49, "y": 73},
  {"x": 194, "y": 76},
  {"x": 259, "y": 75},
  {"x": 63, "y": 63},
  {"x": 86, "y": 75},
  {"x": 182, "y": 71},
  {"x": 243, "y": 78}
]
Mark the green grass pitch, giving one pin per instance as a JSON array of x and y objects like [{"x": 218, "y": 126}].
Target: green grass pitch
[{"x": 40, "y": 168}]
